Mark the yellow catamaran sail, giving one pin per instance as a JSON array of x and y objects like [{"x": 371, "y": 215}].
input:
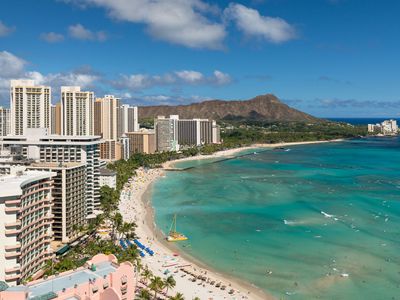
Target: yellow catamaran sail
[{"x": 173, "y": 235}]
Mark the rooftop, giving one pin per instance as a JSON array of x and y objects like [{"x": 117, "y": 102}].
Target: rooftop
[
  {"x": 57, "y": 165},
  {"x": 107, "y": 172},
  {"x": 58, "y": 283},
  {"x": 10, "y": 185}
]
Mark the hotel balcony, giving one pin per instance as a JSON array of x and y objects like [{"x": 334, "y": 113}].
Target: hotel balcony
[
  {"x": 12, "y": 277},
  {"x": 12, "y": 232},
  {"x": 12, "y": 247},
  {"x": 12, "y": 254},
  {"x": 14, "y": 269},
  {"x": 45, "y": 238},
  {"x": 13, "y": 224},
  {"x": 14, "y": 201},
  {"x": 11, "y": 209}
]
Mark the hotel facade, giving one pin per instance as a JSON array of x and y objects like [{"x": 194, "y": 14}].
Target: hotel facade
[
  {"x": 25, "y": 231},
  {"x": 4, "y": 121},
  {"x": 30, "y": 106},
  {"x": 77, "y": 111},
  {"x": 69, "y": 198},
  {"x": 44, "y": 148},
  {"x": 173, "y": 133}
]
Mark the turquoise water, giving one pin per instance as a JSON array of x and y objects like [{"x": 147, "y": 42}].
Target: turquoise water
[{"x": 265, "y": 212}]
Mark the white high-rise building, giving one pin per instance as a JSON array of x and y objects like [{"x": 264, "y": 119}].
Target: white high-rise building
[
  {"x": 127, "y": 119},
  {"x": 77, "y": 111},
  {"x": 4, "y": 121},
  {"x": 30, "y": 106}
]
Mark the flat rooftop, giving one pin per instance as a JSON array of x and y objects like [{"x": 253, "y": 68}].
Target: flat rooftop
[
  {"x": 10, "y": 185},
  {"x": 107, "y": 172},
  {"x": 58, "y": 283},
  {"x": 56, "y": 165}
]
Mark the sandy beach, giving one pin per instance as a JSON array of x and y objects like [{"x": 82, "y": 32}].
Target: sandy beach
[{"x": 135, "y": 205}]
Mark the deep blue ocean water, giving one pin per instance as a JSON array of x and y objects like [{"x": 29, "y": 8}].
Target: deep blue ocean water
[
  {"x": 308, "y": 215},
  {"x": 361, "y": 121}
]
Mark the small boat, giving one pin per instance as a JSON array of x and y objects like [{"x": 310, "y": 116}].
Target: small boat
[{"x": 173, "y": 235}]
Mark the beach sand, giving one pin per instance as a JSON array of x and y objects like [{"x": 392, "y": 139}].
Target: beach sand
[{"x": 135, "y": 206}]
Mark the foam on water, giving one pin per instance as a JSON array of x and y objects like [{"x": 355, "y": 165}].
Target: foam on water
[{"x": 329, "y": 210}]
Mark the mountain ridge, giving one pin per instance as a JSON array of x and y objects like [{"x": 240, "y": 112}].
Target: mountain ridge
[{"x": 263, "y": 107}]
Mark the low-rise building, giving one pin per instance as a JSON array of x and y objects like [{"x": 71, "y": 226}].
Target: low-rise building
[
  {"x": 102, "y": 278},
  {"x": 108, "y": 178},
  {"x": 25, "y": 229}
]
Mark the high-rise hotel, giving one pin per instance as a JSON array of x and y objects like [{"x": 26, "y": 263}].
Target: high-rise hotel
[
  {"x": 30, "y": 106},
  {"x": 173, "y": 133},
  {"x": 42, "y": 148},
  {"x": 77, "y": 111},
  {"x": 25, "y": 229}
]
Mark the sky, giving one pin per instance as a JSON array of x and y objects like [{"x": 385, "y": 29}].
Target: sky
[{"x": 329, "y": 58}]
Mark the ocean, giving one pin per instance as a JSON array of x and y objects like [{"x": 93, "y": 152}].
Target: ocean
[
  {"x": 317, "y": 221},
  {"x": 361, "y": 121}
]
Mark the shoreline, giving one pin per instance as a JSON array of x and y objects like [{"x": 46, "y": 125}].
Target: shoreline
[
  {"x": 136, "y": 206},
  {"x": 231, "y": 152}
]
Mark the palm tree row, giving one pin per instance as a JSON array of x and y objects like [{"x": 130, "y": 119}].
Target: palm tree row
[{"x": 157, "y": 285}]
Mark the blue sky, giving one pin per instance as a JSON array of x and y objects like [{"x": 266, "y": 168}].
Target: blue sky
[{"x": 330, "y": 58}]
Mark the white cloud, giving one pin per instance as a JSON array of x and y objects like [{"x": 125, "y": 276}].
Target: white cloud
[
  {"x": 14, "y": 67},
  {"x": 221, "y": 78},
  {"x": 10, "y": 65},
  {"x": 251, "y": 23},
  {"x": 78, "y": 31},
  {"x": 190, "y": 76},
  {"x": 137, "y": 82},
  {"x": 182, "y": 22},
  {"x": 5, "y": 30},
  {"x": 52, "y": 37}
]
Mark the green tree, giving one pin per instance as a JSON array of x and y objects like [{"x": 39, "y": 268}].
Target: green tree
[
  {"x": 146, "y": 275},
  {"x": 178, "y": 296},
  {"x": 169, "y": 283},
  {"x": 156, "y": 285},
  {"x": 144, "y": 294}
]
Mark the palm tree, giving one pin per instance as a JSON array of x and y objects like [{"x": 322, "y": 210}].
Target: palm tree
[
  {"x": 144, "y": 294},
  {"x": 196, "y": 298},
  {"x": 178, "y": 296},
  {"x": 117, "y": 223},
  {"x": 146, "y": 275},
  {"x": 156, "y": 285},
  {"x": 169, "y": 283}
]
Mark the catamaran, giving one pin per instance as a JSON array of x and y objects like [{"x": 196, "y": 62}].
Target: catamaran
[{"x": 173, "y": 235}]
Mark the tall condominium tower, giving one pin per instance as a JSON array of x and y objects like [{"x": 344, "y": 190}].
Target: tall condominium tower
[
  {"x": 106, "y": 115},
  {"x": 127, "y": 119},
  {"x": 77, "y": 110},
  {"x": 25, "y": 232},
  {"x": 166, "y": 133},
  {"x": 56, "y": 119},
  {"x": 30, "y": 106},
  {"x": 4, "y": 121}
]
